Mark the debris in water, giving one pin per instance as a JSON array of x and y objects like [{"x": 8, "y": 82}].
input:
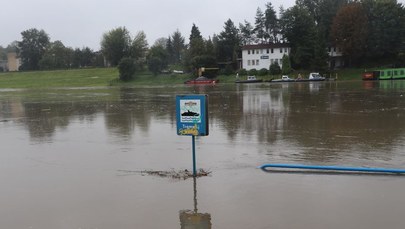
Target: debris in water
[{"x": 180, "y": 175}]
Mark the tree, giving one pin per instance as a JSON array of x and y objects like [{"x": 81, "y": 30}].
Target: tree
[
  {"x": 3, "y": 53},
  {"x": 271, "y": 23},
  {"x": 312, "y": 6},
  {"x": 178, "y": 46},
  {"x": 196, "y": 45},
  {"x": 260, "y": 28},
  {"x": 139, "y": 49},
  {"x": 32, "y": 48},
  {"x": 349, "y": 32},
  {"x": 87, "y": 57},
  {"x": 319, "y": 62},
  {"x": 126, "y": 68},
  {"x": 298, "y": 28},
  {"x": 286, "y": 66},
  {"x": 246, "y": 33},
  {"x": 275, "y": 69},
  {"x": 158, "y": 57},
  {"x": 12, "y": 47},
  {"x": 170, "y": 52},
  {"x": 210, "y": 48},
  {"x": 57, "y": 56},
  {"x": 83, "y": 57},
  {"x": 326, "y": 12},
  {"x": 116, "y": 44},
  {"x": 228, "y": 43},
  {"x": 386, "y": 24},
  {"x": 204, "y": 61}
]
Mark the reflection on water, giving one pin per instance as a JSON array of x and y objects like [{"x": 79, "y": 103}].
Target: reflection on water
[
  {"x": 61, "y": 149},
  {"x": 191, "y": 219},
  {"x": 320, "y": 116}
]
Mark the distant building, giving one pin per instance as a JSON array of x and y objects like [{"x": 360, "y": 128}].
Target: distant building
[
  {"x": 263, "y": 55},
  {"x": 335, "y": 58},
  {"x": 14, "y": 62}
]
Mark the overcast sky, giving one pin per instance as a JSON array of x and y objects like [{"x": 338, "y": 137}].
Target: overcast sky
[{"x": 80, "y": 23}]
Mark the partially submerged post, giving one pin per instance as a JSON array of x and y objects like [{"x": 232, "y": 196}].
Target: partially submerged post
[{"x": 192, "y": 118}]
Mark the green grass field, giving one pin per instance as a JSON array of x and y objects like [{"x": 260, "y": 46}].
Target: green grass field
[{"x": 99, "y": 77}]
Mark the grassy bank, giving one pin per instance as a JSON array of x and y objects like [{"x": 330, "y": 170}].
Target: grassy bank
[
  {"x": 59, "y": 78},
  {"x": 98, "y": 77}
]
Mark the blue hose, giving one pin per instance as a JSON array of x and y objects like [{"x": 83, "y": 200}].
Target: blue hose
[{"x": 333, "y": 168}]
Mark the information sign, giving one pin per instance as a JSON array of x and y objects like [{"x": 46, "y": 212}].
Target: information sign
[{"x": 192, "y": 115}]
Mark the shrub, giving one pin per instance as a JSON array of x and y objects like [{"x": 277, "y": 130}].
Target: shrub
[
  {"x": 263, "y": 72},
  {"x": 275, "y": 69},
  {"x": 242, "y": 72},
  {"x": 229, "y": 70},
  {"x": 126, "y": 68},
  {"x": 252, "y": 72}
]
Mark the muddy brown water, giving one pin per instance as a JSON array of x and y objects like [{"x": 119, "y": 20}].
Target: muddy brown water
[{"x": 71, "y": 158}]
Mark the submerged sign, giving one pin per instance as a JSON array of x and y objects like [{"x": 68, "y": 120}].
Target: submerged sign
[{"x": 192, "y": 115}]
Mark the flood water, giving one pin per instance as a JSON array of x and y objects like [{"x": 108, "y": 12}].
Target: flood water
[{"x": 71, "y": 158}]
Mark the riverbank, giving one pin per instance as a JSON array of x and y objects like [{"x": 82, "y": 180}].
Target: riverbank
[{"x": 99, "y": 77}]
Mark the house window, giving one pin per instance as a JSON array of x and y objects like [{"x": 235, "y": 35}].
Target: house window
[
  {"x": 248, "y": 52},
  {"x": 267, "y": 51},
  {"x": 388, "y": 73},
  {"x": 261, "y": 51},
  {"x": 395, "y": 73},
  {"x": 285, "y": 50},
  {"x": 276, "y": 61},
  {"x": 248, "y": 62},
  {"x": 402, "y": 72},
  {"x": 281, "y": 50},
  {"x": 257, "y": 51},
  {"x": 272, "y": 50},
  {"x": 257, "y": 62},
  {"x": 382, "y": 73}
]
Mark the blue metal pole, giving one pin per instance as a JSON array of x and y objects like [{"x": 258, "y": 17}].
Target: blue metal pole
[
  {"x": 194, "y": 167},
  {"x": 333, "y": 168}
]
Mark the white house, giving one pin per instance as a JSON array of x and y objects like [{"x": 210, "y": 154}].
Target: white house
[
  {"x": 263, "y": 55},
  {"x": 335, "y": 58}
]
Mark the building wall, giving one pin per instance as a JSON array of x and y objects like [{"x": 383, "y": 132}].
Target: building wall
[
  {"x": 335, "y": 58},
  {"x": 262, "y": 56},
  {"x": 14, "y": 62}
]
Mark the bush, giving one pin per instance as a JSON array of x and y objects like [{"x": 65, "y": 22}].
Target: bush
[
  {"x": 275, "y": 69},
  {"x": 229, "y": 70},
  {"x": 242, "y": 72},
  {"x": 155, "y": 65},
  {"x": 263, "y": 72},
  {"x": 126, "y": 68},
  {"x": 252, "y": 72}
]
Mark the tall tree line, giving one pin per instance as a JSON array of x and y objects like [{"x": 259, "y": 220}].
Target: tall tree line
[
  {"x": 38, "y": 52},
  {"x": 365, "y": 31}
]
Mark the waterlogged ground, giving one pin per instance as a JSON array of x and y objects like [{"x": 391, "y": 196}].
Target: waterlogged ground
[{"x": 104, "y": 157}]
